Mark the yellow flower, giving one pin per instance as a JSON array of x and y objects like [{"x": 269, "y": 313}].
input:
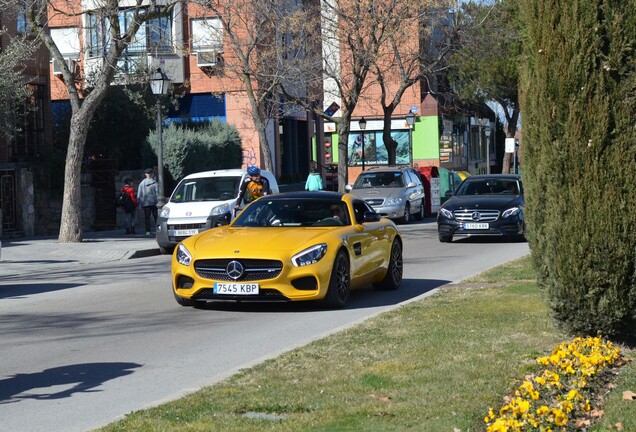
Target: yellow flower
[
  {"x": 560, "y": 418},
  {"x": 543, "y": 410},
  {"x": 574, "y": 395},
  {"x": 524, "y": 405},
  {"x": 490, "y": 416},
  {"x": 497, "y": 426}
]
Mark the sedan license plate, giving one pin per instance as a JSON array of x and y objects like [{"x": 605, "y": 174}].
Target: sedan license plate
[
  {"x": 185, "y": 232},
  {"x": 235, "y": 288},
  {"x": 475, "y": 225}
]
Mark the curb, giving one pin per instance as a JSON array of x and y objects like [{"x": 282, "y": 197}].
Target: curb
[{"x": 145, "y": 253}]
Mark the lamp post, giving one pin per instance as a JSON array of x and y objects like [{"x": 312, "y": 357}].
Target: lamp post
[
  {"x": 487, "y": 132},
  {"x": 159, "y": 86},
  {"x": 362, "y": 124},
  {"x": 410, "y": 120}
]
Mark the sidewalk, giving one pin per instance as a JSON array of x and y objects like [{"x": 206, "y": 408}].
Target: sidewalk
[{"x": 37, "y": 254}]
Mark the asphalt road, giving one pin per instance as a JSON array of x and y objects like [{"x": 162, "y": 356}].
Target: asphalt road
[{"x": 82, "y": 348}]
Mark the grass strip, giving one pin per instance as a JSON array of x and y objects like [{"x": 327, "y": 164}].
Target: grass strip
[{"x": 430, "y": 365}]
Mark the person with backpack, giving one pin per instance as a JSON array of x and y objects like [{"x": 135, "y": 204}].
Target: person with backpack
[
  {"x": 128, "y": 202},
  {"x": 254, "y": 186}
]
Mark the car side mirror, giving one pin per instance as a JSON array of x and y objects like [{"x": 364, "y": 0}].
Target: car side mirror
[
  {"x": 348, "y": 188},
  {"x": 371, "y": 216},
  {"x": 411, "y": 184},
  {"x": 448, "y": 194}
]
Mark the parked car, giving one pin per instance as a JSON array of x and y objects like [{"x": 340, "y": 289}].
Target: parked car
[
  {"x": 199, "y": 202},
  {"x": 489, "y": 205},
  {"x": 393, "y": 192},
  {"x": 295, "y": 246}
]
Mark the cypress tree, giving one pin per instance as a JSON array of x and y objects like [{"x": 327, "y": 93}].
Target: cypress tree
[{"x": 578, "y": 87}]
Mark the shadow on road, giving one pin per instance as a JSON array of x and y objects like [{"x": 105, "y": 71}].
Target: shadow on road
[
  {"x": 18, "y": 291},
  {"x": 361, "y": 298},
  {"x": 61, "y": 382}
]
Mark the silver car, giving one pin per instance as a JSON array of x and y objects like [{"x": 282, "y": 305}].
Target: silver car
[{"x": 393, "y": 192}]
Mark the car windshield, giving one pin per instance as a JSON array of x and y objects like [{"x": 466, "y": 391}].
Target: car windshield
[
  {"x": 393, "y": 179},
  {"x": 267, "y": 212},
  {"x": 206, "y": 189},
  {"x": 488, "y": 186}
]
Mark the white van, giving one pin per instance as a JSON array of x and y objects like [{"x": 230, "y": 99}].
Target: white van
[{"x": 201, "y": 201}]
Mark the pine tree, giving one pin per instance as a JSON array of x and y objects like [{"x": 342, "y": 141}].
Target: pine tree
[{"x": 578, "y": 90}]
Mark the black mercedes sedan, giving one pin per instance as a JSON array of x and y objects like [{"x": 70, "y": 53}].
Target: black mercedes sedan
[{"x": 484, "y": 205}]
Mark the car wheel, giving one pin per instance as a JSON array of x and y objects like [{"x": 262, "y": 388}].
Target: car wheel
[
  {"x": 186, "y": 301},
  {"x": 445, "y": 238},
  {"x": 420, "y": 214},
  {"x": 340, "y": 282},
  {"x": 394, "y": 271},
  {"x": 407, "y": 214}
]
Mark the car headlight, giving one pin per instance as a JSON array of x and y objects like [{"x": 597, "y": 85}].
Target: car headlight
[
  {"x": 510, "y": 212},
  {"x": 446, "y": 213},
  {"x": 183, "y": 255},
  {"x": 220, "y": 210},
  {"x": 165, "y": 212},
  {"x": 394, "y": 201},
  {"x": 309, "y": 256}
]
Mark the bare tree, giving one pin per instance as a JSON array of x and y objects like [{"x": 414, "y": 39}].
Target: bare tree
[
  {"x": 86, "y": 90},
  {"x": 255, "y": 55},
  {"x": 417, "y": 48},
  {"x": 343, "y": 41}
]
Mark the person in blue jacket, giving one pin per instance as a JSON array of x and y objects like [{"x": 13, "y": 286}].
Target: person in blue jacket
[{"x": 314, "y": 181}]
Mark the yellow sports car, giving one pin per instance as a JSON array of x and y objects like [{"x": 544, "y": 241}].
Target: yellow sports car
[{"x": 290, "y": 247}]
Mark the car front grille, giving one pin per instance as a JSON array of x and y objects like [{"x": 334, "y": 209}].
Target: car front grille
[
  {"x": 476, "y": 215},
  {"x": 186, "y": 226},
  {"x": 375, "y": 201},
  {"x": 263, "y": 295},
  {"x": 254, "y": 269}
]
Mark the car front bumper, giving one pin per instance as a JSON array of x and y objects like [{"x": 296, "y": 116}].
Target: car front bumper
[
  {"x": 289, "y": 283},
  {"x": 170, "y": 234},
  {"x": 512, "y": 226},
  {"x": 390, "y": 211}
]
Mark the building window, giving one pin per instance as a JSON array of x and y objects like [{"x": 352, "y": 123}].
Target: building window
[
  {"x": 67, "y": 41},
  {"x": 23, "y": 25},
  {"x": 206, "y": 34},
  {"x": 153, "y": 37},
  {"x": 29, "y": 122}
]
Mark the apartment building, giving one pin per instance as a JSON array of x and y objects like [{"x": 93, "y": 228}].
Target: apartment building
[{"x": 25, "y": 152}]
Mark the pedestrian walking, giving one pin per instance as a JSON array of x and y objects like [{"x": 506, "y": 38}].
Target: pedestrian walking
[
  {"x": 314, "y": 180},
  {"x": 128, "y": 202},
  {"x": 147, "y": 196}
]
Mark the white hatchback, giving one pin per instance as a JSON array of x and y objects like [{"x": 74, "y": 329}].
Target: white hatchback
[{"x": 199, "y": 202}]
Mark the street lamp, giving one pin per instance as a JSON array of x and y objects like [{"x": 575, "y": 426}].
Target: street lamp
[
  {"x": 159, "y": 86},
  {"x": 487, "y": 132},
  {"x": 410, "y": 120},
  {"x": 362, "y": 124}
]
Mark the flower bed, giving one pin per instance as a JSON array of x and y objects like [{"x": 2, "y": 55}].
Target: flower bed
[{"x": 558, "y": 398}]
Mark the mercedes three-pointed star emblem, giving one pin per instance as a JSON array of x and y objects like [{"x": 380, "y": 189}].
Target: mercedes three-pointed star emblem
[{"x": 234, "y": 270}]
